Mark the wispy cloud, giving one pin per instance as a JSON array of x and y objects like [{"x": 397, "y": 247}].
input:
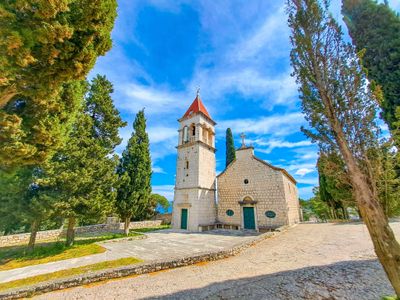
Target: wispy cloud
[
  {"x": 304, "y": 171},
  {"x": 275, "y": 125},
  {"x": 165, "y": 190}
]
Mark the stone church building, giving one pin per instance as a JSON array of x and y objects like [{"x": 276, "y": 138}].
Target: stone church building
[{"x": 249, "y": 194}]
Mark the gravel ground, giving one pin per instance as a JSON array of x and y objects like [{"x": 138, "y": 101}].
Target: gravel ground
[{"x": 310, "y": 261}]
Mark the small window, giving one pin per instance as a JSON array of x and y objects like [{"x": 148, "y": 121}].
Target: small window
[
  {"x": 270, "y": 214},
  {"x": 246, "y": 181},
  {"x": 187, "y": 165},
  {"x": 193, "y": 130},
  {"x": 230, "y": 212}
]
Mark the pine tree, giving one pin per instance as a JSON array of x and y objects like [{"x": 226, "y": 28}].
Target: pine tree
[
  {"x": 81, "y": 176},
  {"x": 341, "y": 111},
  {"x": 134, "y": 171},
  {"x": 36, "y": 60},
  {"x": 230, "y": 147},
  {"x": 380, "y": 39}
]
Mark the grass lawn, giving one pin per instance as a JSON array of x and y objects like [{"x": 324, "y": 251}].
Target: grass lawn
[
  {"x": 18, "y": 256},
  {"x": 70, "y": 272},
  {"x": 152, "y": 228}
]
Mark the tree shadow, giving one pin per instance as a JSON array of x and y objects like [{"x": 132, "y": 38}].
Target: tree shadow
[
  {"x": 223, "y": 232},
  {"x": 363, "y": 279}
]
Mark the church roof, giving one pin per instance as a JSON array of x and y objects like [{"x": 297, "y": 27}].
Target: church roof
[
  {"x": 197, "y": 106},
  {"x": 286, "y": 173}
]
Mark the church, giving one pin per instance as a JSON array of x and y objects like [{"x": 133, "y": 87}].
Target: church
[{"x": 250, "y": 194}]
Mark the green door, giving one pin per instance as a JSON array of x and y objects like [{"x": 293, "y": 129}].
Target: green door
[
  {"x": 248, "y": 218},
  {"x": 184, "y": 215}
]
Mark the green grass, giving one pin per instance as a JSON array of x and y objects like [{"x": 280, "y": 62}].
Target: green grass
[
  {"x": 152, "y": 228},
  {"x": 69, "y": 272},
  {"x": 18, "y": 257},
  {"x": 389, "y": 298}
]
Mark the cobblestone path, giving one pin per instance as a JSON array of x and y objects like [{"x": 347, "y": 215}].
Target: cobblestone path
[{"x": 310, "y": 261}]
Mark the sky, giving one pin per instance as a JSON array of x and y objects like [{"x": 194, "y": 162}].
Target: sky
[{"x": 237, "y": 52}]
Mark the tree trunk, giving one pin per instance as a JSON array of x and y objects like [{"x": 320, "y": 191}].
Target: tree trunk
[
  {"x": 32, "y": 238},
  {"x": 386, "y": 247},
  {"x": 70, "y": 231},
  {"x": 6, "y": 95},
  {"x": 126, "y": 225}
]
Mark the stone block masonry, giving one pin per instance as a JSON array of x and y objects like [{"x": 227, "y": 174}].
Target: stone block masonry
[{"x": 51, "y": 235}]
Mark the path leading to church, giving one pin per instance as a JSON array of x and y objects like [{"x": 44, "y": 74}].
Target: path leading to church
[
  {"x": 310, "y": 261},
  {"x": 158, "y": 245}
]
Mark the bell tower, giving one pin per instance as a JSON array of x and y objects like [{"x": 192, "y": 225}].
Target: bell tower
[{"x": 194, "y": 198}]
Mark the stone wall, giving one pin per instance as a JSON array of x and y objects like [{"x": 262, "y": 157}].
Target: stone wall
[
  {"x": 261, "y": 186},
  {"x": 23, "y": 238}
]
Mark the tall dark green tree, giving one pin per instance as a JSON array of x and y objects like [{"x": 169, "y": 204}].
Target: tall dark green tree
[
  {"x": 44, "y": 45},
  {"x": 375, "y": 29},
  {"x": 81, "y": 176},
  {"x": 134, "y": 170},
  {"x": 230, "y": 147},
  {"x": 341, "y": 112}
]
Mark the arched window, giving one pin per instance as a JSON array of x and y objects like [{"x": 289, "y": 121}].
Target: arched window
[
  {"x": 185, "y": 137},
  {"x": 193, "y": 130}
]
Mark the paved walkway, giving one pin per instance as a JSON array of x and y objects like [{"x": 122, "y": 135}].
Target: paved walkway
[
  {"x": 159, "y": 244},
  {"x": 310, "y": 261}
]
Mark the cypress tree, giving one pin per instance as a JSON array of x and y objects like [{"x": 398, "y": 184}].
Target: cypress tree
[
  {"x": 341, "y": 112},
  {"x": 81, "y": 176},
  {"x": 230, "y": 147},
  {"x": 374, "y": 28},
  {"x": 134, "y": 170}
]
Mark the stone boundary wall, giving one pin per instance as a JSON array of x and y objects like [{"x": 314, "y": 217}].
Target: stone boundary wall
[
  {"x": 136, "y": 269},
  {"x": 23, "y": 238}
]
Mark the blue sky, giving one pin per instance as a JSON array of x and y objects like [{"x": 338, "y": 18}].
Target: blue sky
[{"x": 237, "y": 52}]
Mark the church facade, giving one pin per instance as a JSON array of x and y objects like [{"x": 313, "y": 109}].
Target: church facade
[{"x": 249, "y": 194}]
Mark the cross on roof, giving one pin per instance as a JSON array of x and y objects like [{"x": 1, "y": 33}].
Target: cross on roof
[{"x": 243, "y": 137}]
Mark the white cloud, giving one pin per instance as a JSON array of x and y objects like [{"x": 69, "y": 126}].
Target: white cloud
[
  {"x": 159, "y": 134},
  {"x": 155, "y": 99},
  {"x": 275, "y": 125},
  {"x": 272, "y": 144},
  {"x": 310, "y": 181},
  {"x": 265, "y": 38},
  {"x": 165, "y": 190},
  {"x": 304, "y": 171},
  {"x": 158, "y": 170}
]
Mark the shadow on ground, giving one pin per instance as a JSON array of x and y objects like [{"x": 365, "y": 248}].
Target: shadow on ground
[
  {"x": 224, "y": 232},
  {"x": 364, "y": 279}
]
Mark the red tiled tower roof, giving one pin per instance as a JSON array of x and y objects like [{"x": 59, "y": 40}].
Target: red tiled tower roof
[{"x": 197, "y": 106}]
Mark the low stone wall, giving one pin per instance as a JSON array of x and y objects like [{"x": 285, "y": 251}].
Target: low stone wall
[
  {"x": 23, "y": 238},
  {"x": 136, "y": 269},
  {"x": 143, "y": 224}
]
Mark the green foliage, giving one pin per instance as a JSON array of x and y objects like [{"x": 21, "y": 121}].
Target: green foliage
[
  {"x": 380, "y": 41},
  {"x": 43, "y": 46},
  {"x": 14, "y": 187},
  {"x": 334, "y": 187},
  {"x": 81, "y": 176},
  {"x": 134, "y": 170},
  {"x": 315, "y": 207},
  {"x": 30, "y": 131},
  {"x": 388, "y": 181},
  {"x": 230, "y": 147}
]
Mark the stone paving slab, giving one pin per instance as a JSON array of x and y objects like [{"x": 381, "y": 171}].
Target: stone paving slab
[
  {"x": 310, "y": 261},
  {"x": 161, "y": 244}
]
